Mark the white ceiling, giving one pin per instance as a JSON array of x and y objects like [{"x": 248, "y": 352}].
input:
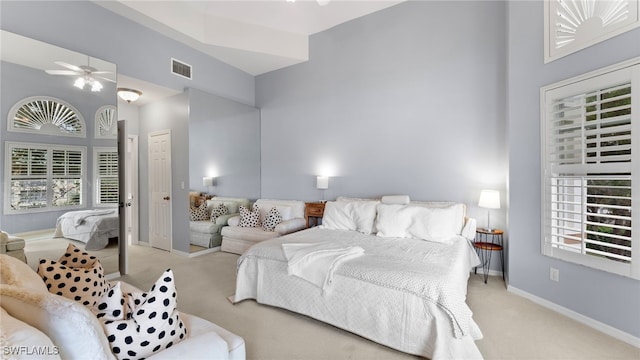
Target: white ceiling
[{"x": 255, "y": 36}]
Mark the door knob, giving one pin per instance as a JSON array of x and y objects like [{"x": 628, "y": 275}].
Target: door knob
[{"x": 166, "y": 198}]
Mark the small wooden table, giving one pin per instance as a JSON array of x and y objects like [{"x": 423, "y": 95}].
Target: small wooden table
[
  {"x": 313, "y": 211},
  {"x": 488, "y": 241}
]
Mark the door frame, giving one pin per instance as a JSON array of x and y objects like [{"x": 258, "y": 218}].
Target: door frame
[{"x": 132, "y": 188}]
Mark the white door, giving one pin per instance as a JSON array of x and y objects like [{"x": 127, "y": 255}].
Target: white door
[
  {"x": 132, "y": 206},
  {"x": 160, "y": 189}
]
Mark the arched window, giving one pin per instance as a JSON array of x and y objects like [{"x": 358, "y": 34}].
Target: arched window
[
  {"x": 46, "y": 115},
  {"x": 106, "y": 122}
]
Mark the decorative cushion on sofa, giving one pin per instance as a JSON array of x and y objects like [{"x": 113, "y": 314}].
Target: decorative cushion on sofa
[
  {"x": 18, "y": 335},
  {"x": 151, "y": 325},
  {"x": 199, "y": 213},
  {"x": 17, "y": 273},
  {"x": 249, "y": 218},
  {"x": 272, "y": 219},
  {"x": 218, "y": 211},
  {"x": 70, "y": 325},
  {"x": 76, "y": 275}
]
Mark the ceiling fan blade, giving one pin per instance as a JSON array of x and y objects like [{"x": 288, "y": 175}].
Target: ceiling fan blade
[
  {"x": 101, "y": 72},
  {"x": 102, "y": 78},
  {"x": 68, "y": 66},
  {"x": 61, "y": 72}
]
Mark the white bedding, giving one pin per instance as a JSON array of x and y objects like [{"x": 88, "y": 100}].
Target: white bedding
[
  {"x": 408, "y": 294},
  {"x": 92, "y": 227}
]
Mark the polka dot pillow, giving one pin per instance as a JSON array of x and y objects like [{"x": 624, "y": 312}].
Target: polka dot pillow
[
  {"x": 199, "y": 213},
  {"x": 151, "y": 326},
  {"x": 249, "y": 218},
  {"x": 111, "y": 307},
  {"x": 218, "y": 211},
  {"x": 272, "y": 219},
  {"x": 76, "y": 275}
]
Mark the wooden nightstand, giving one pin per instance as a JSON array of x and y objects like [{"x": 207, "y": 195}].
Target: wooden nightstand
[
  {"x": 488, "y": 241},
  {"x": 313, "y": 210}
]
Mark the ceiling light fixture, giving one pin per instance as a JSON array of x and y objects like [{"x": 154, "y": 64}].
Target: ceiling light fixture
[
  {"x": 129, "y": 95},
  {"x": 88, "y": 80}
]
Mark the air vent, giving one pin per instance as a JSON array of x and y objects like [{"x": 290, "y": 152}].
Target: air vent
[{"x": 181, "y": 69}]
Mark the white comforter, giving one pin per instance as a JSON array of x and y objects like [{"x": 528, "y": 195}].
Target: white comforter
[
  {"x": 404, "y": 293},
  {"x": 92, "y": 227}
]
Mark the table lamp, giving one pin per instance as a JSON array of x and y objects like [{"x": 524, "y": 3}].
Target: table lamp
[{"x": 489, "y": 199}]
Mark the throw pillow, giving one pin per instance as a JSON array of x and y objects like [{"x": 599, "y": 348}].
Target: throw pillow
[
  {"x": 111, "y": 306},
  {"x": 200, "y": 213},
  {"x": 249, "y": 218},
  {"x": 77, "y": 276},
  {"x": 272, "y": 219},
  {"x": 218, "y": 211},
  {"x": 154, "y": 324}
]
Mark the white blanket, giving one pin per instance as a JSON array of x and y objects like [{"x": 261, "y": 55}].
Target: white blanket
[
  {"x": 80, "y": 216},
  {"x": 316, "y": 263}
]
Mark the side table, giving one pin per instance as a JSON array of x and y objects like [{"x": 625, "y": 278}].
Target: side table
[
  {"x": 488, "y": 241},
  {"x": 313, "y": 211}
]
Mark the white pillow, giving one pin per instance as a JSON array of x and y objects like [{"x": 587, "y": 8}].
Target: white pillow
[
  {"x": 438, "y": 224},
  {"x": 17, "y": 334},
  {"x": 69, "y": 324},
  {"x": 337, "y": 216},
  {"x": 350, "y": 215},
  {"x": 17, "y": 273}
]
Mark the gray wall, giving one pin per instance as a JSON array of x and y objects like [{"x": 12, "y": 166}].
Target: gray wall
[
  {"x": 408, "y": 100},
  {"x": 224, "y": 141},
  {"x": 136, "y": 50},
  {"x": 605, "y": 297},
  {"x": 19, "y": 82},
  {"x": 172, "y": 114}
]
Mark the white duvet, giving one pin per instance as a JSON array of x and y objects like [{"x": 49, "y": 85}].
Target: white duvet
[
  {"x": 408, "y": 294},
  {"x": 92, "y": 227}
]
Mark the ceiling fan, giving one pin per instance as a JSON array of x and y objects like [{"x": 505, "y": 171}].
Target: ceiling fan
[{"x": 87, "y": 75}]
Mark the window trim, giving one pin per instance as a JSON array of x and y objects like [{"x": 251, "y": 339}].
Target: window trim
[
  {"x": 631, "y": 269},
  {"x": 9, "y": 145},
  {"x": 96, "y": 174}
]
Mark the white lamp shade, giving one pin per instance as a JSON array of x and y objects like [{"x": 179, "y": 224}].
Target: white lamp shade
[
  {"x": 489, "y": 199},
  {"x": 207, "y": 181},
  {"x": 322, "y": 182},
  {"x": 129, "y": 95}
]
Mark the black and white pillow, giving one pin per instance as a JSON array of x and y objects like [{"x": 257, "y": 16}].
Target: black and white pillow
[
  {"x": 199, "y": 213},
  {"x": 218, "y": 211},
  {"x": 111, "y": 307},
  {"x": 153, "y": 325},
  {"x": 272, "y": 219},
  {"x": 249, "y": 218},
  {"x": 77, "y": 276}
]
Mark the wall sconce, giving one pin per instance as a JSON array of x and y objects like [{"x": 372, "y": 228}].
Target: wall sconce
[
  {"x": 129, "y": 95},
  {"x": 208, "y": 181},
  {"x": 489, "y": 199},
  {"x": 322, "y": 183}
]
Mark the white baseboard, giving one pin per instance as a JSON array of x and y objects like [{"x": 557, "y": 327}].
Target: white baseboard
[
  {"x": 597, "y": 325},
  {"x": 491, "y": 272}
]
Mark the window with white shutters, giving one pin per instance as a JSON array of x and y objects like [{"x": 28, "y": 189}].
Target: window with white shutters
[
  {"x": 106, "y": 175},
  {"x": 589, "y": 128},
  {"x": 43, "y": 177}
]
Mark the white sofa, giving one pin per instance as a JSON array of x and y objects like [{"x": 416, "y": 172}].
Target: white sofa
[
  {"x": 206, "y": 233},
  {"x": 236, "y": 239},
  {"x": 32, "y": 319}
]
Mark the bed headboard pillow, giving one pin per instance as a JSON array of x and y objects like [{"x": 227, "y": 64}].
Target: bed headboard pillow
[
  {"x": 395, "y": 199},
  {"x": 358, "y": 215},
  {"x": 437, "y": 223}
]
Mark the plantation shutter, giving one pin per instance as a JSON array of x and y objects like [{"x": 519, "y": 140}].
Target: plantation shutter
[
  {"x": 28, "y": 178},
  {"x": 588, "y": 179},
  {"x": 66, "y": 167},
  {"x": 107, "y": 177}
]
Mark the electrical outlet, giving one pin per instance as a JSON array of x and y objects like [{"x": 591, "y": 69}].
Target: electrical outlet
[{"x": 554, "y": 274}]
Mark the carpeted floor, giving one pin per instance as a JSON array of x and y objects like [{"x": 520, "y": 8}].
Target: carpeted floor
[{"x": 513, "y": 327}]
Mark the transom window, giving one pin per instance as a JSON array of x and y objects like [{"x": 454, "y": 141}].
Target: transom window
[
  {"x": 46, "y": 115},
  {"x": 106, "y": 122},
  {"x": 590, "y": 126},
  {"x": 43, "y": 177}
]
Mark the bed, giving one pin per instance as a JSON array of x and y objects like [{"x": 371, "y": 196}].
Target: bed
[
  {"x": 401, "y": 291},
  {"x": 92, "y": 227}
]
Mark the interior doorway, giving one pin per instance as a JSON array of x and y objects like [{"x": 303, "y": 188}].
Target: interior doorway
[{"x": 131, "y": 186}]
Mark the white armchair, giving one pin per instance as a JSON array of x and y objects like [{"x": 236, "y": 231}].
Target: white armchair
[{"x": 236, "y": 239}]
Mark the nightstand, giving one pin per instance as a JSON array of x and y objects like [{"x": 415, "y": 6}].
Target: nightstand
[
  {"x": 313, "y": 211},
  {"x": 488, "y": 241}
]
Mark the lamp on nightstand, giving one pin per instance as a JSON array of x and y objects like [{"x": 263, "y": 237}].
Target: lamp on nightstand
[
  {"x": 489, "y": 199},
  {"x": 208, "y": 181},
  {"x": 322, "y": 183}
]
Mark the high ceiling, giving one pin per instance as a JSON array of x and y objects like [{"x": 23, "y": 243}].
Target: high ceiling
[{"x": 255, "y": 36}]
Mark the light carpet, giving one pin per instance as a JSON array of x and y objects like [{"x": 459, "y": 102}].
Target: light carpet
[{"x": 513, "y": 327}]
